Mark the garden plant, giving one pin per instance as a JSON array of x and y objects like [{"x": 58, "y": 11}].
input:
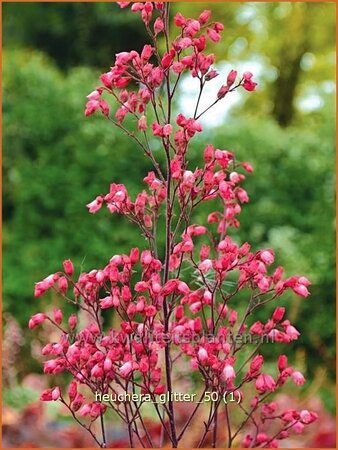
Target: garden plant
[{"x": 177, "y": 304}]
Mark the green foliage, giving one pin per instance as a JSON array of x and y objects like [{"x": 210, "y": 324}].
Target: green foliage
[
  {"x": 73, "y": 34},
  {"x": 56, "y": 161}
]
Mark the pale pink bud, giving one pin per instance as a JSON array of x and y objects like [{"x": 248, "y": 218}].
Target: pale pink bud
[
  {"x": 298, "y": 427},
  {"x": 304, "y": 281},
  {"x": 202, "y": 355},
  {"x": 51, "y": 394},
  {"x": 301, "y": 290},
  {"x": 85, "y": 410},
  {"x": 97, "y": 371},
  {"x": 107, "y": 365},
  {"x": 228, "y": 373},
  {"x": 267, "y": 256},
  {"x": 167, "y": 130},
  {"x": 95, "y": 205},
  {"x": 298, "y": 378},
  {"x": 142, "y": 123},
  {"x": 188, "y": 178},
  {"x": 292, "y": 332},
  {"x": 95, "y": 95},
  {"x": 56, "y": 393},
  {"x": 205, "y": 265},
  {"x": 195, "y": 307},
  {"x": 183, "y": 288},
  {"x": 126, "y": 369},
  {"x": 308, "y": 416},
  {"x": 106, "y": 302}
]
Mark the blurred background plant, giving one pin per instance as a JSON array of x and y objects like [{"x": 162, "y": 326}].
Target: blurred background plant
[{"x": 55, "y": 161}]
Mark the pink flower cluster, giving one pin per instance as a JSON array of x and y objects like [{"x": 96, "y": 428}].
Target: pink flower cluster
[
  {"x": 168, "y": 306},
  {"x": 185, "y": 55}
]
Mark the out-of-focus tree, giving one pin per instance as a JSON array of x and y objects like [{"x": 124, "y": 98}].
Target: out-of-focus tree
[
  {"x": 293, "y": 44},
  {"x": 73, "y": 34}
]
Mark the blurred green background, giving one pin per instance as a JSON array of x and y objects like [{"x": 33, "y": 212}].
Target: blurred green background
[{"x": 55, "y": 161}]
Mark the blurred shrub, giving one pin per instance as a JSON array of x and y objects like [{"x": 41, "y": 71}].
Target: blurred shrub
[
  {"x": 54, "y": 163},
  {"x": 292, "y": 209}
]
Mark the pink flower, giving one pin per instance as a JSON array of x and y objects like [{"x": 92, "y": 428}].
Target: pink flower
[
  {"x": 256, "y": 364},
  {"x": 158, "y": 25},
  {"x": 168, "y": 59},
  {"x": 292, "y": 332},
  {"x": 52, "y": 394},
  {"x": 179, "y": 20},
  {"x": 247, "y": 82},
  {"x": 72, "y": 321},
  {"x": 95, "y": 95},
  {"x": 91, "y": 107},
  {"x": 202, "y": 355},
  {"x": 68, "y": 267},
  {"x": 228, "y": 373},
  {"x": 36, "y": 320},
  {"x": 126, "y": 369},
  {"x": 167, "y": 130},
  {"x": 282, "y": 362},
  {"x": 147, "y": 52},
  {"x": 123, "y": 4},
  {"x": 267, "y": 256},
  {"x": 95, "y": 205},
  {"x": 301, "y": 290},
  {"x": 72, "y": 390},
  {"x": 278, "y": 314},
  {"x": 58, "y": 316},
  {"x": 222, "y": 92},
  {"x": 204, "y": 17},
  {"x": 308, "y": 416},
  {"x": 265, "y": 383},
  {"x": 298, "y": 378},
  {"x": 231, "y": 78},
  {"x": 107, "y": 302},
  {"x": 213, "y": 35}
]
